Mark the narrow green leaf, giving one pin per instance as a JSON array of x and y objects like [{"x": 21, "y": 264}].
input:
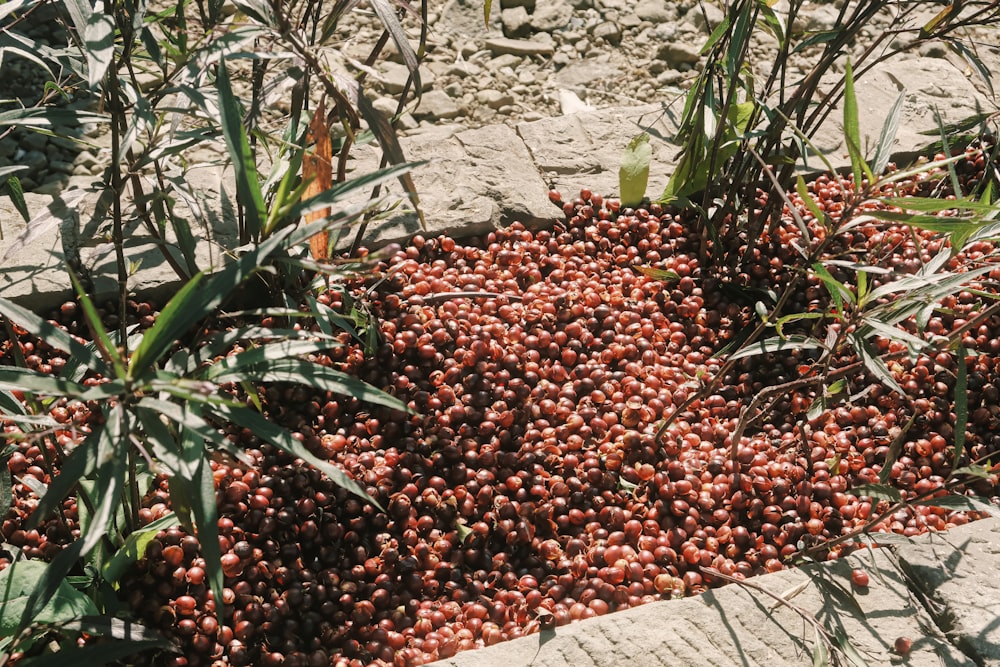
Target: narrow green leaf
[
  {"x": 135, "y": 547},
  {"x": 878, "y": 492},
  {"x": 247, "y": 181},
  {"x": 895, "y": 447},
  {"x": 282, "y": 439},
  {"x": 779, "y": 344},
  {"x": 666, "y": 275},
  {"x": 266, "y": 353},
  {"x": 487, "y": 5},
  {"x": 821, "y": 657},
  {"x": 961, "y": 404},
  {"x": 99, "y": 39},
  {"x": 16, "y": 194},
  {"x": 300, "y": 371},
  {"x": 109, "y": 351},
  {"x": 814, "y": 209},
  {"x": 52, "y": 335},
  {"x": 963, "y": 504},
  {"x": 852, "y": 129},
  {"x": 890, "y": 126},
  {"x": 26, "y": 379},
  {"x": 837, "y": 290},
  {"x": 874, "y": 364},
  {"x": 633, "y": 175},
  {"x": 387, "y": 15}
]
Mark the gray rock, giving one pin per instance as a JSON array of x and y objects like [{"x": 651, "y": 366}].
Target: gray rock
[
  {"x": 435, "y": 104},
  {"x": 821, "y": 17},
  {"x": 518, "y": 47},
  {"x": 61, "y": 166},
  {"x": 508, "y": 60},
  {"x": 8, "y": 146},
  {"x": 385, "y": 106},
  {"x": 655, "y": 11},
  {"x": 85, "y": 159},
  {"x": 584, "y": 73},
  {"x": 584, "y": 149},
  {"x": 609, "y": 32},
  {"x": 951, "y": 572},
  {"x": 516, "y": 22},
  {"x": 705, "y": 16},
  {"x": 933, "y": 50},
  {"x": 34, "y": 160},
  {"x": 677, "y": 52},
  {"x": 33, "y": 141},
  {"x": 494, "y": 99},
  {"x": 551, "y": 15},
  {"x": 394, "y": 75},
  {"x": 53, "y": 185}
]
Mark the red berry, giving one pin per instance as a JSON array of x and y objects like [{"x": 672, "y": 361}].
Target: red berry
[
  {"x": 903, "y": 645},
  {"x": 859, "y": 578}
]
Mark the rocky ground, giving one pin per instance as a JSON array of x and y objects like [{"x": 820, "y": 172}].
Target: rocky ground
[{"x": 533, "y": 60}]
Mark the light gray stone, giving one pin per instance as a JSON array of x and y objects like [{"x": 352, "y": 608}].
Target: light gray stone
[
  {"x": 494, "y": 99},
  {"x": 705, "y": 16},
  {"x": 955, "y": 570},
  {"x": 474, "y": 181},
  {"x": 518, "y": 47},
  {"x": 609, "y": 32},
  {"x": 551, "y": 15},
  {"x": 516, "y": 22},
  {"x": 679, "y": 52},
  {"x": 435, "y": 104},
  {"x": 585, "y": 149},
  {"x": 394, "y": 75},
  {"x": 655, "y": 11}
]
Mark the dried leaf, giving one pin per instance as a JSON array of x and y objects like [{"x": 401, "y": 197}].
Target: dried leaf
[{"x": 317, "y": 172}]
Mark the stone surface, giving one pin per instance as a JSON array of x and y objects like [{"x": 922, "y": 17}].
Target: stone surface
[
  {"x": 957, "y": 572},
  {"x": 738, "y": 626},
  {"x": 475, "y": 181},
  {"x": 584, "y": 149},
  {"x": 436, "y": 104},
  {"x": 518, "y": 47}
]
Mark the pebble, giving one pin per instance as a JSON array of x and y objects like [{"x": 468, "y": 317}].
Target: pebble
[
  {"x": 436, "y": 104},
  {"x": 655, "y": 11},
  {"x": 609, "y": 32},
  {"x": 551, "y": 15},
  {"x": 516, "y": 22},
  {"x": 494, "y": 99},
  {"x": 518, "y": 47}
]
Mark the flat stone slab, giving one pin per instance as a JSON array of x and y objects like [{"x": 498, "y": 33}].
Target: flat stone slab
[
  {"x": 584, "y": 150},
  {"x": 736, "y": 625},
  {"x": 473, "y": 182},
  {"x": 957, "y": 572}
]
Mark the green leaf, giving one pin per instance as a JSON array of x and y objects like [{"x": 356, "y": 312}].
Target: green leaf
[
  {"x": 135, "y": 547},
  {"x": 878, "y": 491},
  {"x": 895, "y": 447},
  {"x": 837, "y": 290},
  {"x": 852, "y": 129},
  {"x": 95, "y": 323},
  {"x": 247, "y": 181},
  {"x": 487, "y": 5},
  {"x": 874, "y": 363},
  {"x": 300, "y": 371},
  {"x": 963, "y": 504},
  {"x": 821, "y": 657},
  {"x": 779, "y": 344},
  {"x": 890, "y": 126},
  {"x": 282, "y": 439},
  {"x": 814, "y": 209},
  {"x": 25, "y": 379},
  {"x": 961, "y": 404},
  {"x": 263, "y": 354},
  {"x": 23, "y": 577},
  {"x": 99, "y": 40},
  {"x": 52, "y": 335},
  {"x": 666, "y": 275},
  {"x": 16, "y": 193},
  {"x": 48, "y": 117},
  {"x": 633, "y": 175}
]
